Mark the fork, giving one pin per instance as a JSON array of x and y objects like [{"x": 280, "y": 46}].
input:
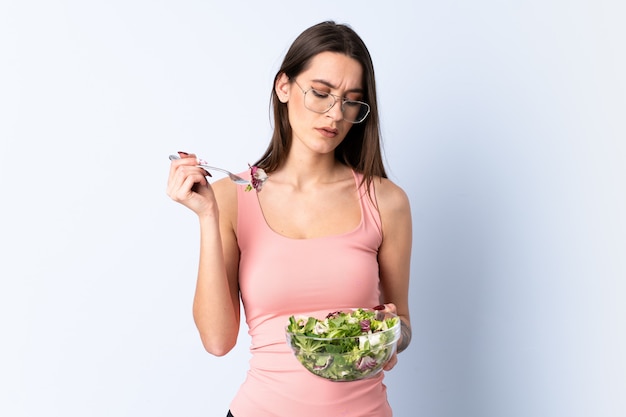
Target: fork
[{"x": 234, "y": 178}]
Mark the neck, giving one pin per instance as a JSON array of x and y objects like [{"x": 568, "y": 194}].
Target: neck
[{"x": 311, "y": 171}]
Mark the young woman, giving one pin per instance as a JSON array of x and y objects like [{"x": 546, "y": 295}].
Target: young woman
[{"x": 328, "y": 231}]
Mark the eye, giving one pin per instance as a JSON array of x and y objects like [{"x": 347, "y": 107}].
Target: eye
[
  {"x": 318, "y": 93},
  {"x": 351, "y": 103}
]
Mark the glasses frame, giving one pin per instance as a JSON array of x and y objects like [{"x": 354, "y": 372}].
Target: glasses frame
[{"x": 335, "y": 99}]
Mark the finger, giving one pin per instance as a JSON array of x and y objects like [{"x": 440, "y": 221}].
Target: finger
[
  {"x": 189, "y": 189},
  {"x": 182, "y": 181},
  {"x": 176, "y": 177},
  {"x": 190, "y": 160},
  {"x": 391, "y": 363},
  {"x": 183, "y": 167},
  {"x": 194, "y": 184},
  {"x": 389, "y": 307},
  {"x": 192, "y": 178}
]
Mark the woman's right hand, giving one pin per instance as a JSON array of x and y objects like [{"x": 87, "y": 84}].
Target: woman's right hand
[{"x": 187, "y": 185}]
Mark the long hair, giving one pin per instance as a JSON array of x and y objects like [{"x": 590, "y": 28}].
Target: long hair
[{"x": 361, "y": 148}]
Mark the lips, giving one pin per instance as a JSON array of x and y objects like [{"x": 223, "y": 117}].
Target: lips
[{"x": 328, "y": 132}]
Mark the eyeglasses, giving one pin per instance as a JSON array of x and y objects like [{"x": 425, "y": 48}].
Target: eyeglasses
[{"x": 321, "y": 102}]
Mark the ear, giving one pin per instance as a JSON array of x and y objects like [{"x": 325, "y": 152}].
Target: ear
[{"x": 282, "y": 87}]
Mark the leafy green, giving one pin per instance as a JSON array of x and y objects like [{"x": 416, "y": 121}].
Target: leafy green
[{"x": 345, "y": 346}]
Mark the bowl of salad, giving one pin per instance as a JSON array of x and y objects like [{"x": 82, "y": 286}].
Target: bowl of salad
[{"x": 345, "y": 345}]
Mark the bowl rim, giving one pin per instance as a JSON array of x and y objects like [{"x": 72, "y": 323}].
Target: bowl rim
[{"x": 394, "y": 328}]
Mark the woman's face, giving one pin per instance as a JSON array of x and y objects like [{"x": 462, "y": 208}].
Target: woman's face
[{"x": 328, "y": 72}]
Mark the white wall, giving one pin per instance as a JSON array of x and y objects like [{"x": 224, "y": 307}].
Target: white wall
[{"x": 504, "y": 121}]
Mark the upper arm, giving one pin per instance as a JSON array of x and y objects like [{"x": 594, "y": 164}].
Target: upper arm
[
  {"x": 226, "y": 197},
  {"x": 394, "y": 255}
]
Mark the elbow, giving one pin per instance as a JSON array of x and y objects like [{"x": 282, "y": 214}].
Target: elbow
[
  {"x": 218, "y": 337},
  {"x": 217, "y": 347}
]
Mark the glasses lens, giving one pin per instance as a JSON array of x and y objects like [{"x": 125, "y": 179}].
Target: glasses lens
[
  {"x": 320, "y": 102},
  {"x": 355, "y": 111}
]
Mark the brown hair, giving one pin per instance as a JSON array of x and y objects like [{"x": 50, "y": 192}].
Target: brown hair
[{"x": 361, "y": 148}]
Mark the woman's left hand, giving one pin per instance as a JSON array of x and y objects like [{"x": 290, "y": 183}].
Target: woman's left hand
[
  {"x": 389, "y": 308},
  {"x": 391, "y": 362}
]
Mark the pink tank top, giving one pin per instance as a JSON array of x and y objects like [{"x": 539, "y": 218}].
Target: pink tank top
[{"x": 280, "y": 277}]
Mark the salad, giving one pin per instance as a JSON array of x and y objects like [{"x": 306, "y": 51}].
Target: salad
[
  {"x": 257, "y": 178},
  {"x": 344, "y": 346}
]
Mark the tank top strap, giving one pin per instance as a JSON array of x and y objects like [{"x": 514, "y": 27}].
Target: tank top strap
[{"x": 369, "y": 204}]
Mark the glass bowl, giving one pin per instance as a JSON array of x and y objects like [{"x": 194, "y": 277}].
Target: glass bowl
[{"x": 348, "y": 345}]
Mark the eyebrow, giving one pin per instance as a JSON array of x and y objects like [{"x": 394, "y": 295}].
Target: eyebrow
[{"x": 329, "y": 84}]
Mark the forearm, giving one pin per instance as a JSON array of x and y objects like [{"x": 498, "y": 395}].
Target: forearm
[
  {"x": 216, "y": 304},
  {"x": 405, "y": 336}
]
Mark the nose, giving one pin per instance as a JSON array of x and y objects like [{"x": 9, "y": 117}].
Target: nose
[{"x": 336, "y": 112}]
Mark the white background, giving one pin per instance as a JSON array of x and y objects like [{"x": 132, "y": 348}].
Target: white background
[{"x": 503, "y": 121}]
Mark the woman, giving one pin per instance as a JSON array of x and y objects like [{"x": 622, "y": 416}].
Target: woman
[{"x": 327, "y": 231}]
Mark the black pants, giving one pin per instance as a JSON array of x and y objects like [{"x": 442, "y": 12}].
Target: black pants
[{"x": 229, "y": 414}]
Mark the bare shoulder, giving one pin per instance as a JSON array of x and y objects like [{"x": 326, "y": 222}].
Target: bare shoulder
[
  {"x": 394, "y": 208},
  {"x": 391, "y": 198}
]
